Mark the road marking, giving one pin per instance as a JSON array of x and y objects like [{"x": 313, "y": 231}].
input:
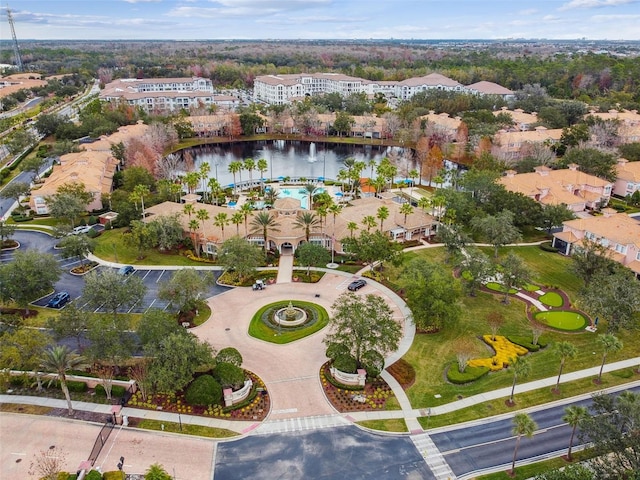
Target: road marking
[
  {"x": 160, "y": 276},
  {"x": 285, "y": 410}
]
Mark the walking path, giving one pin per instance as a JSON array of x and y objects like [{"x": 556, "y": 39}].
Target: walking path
[{"x": 285, "y": 269}]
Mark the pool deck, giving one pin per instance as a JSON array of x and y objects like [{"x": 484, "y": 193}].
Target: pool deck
[{"x": 331, "y": 189}]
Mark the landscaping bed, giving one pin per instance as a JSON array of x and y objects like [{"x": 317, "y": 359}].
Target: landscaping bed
[{"x": 376, "y": 394}]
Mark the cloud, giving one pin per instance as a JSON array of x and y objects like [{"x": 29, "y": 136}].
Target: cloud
[
  {"x": 529, "y": 11},
  {"x": 142, "y": 1},
  {"x": 594, "y": 4}
]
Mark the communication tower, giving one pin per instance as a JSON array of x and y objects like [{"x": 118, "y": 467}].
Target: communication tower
[{"x": 16, "y": 48}]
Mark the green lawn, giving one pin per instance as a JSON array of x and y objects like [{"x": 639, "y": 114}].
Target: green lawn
[
  {"x": 552, "y": 299},
  {"x": 258, "y": 329},
  {"x": 563, "y": 320}
]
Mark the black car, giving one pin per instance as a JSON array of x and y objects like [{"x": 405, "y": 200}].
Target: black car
[
  {"x": 59, "y": 300},
  {"x": 356, "y": 285}
]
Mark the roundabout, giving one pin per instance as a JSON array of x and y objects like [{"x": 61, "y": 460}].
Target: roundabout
[{"x": 284, "y": 322}]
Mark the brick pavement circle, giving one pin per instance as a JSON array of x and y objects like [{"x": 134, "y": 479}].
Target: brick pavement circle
[{"x": 290, "y": 371}]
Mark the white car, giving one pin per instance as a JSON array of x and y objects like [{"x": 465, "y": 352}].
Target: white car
[{"x": 82, "y": 229}]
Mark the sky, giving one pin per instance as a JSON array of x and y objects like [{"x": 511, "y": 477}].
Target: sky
[{"x": 321, "y": 19}]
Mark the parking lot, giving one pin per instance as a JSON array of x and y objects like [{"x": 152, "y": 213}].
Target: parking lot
[{"x": 74, "y": 284}]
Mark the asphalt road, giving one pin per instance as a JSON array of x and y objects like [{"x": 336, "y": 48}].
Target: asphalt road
[{"x": 336, "y": 453}]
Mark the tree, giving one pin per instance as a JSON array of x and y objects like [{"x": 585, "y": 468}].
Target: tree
[
  {"x": 310, "y": 254},
  {"x": 432, "y": 294},
  {"x": 167, "y": 232},
  {"x": 406, "y": 209},
  {"x": 497, "y": 229},
  {"x": 240, "y": 256},
  {"x": 369, "y": 221},
  {"x": 523, "y": 425},
  {"x": 475, "y": 270},
  {"x": 352, "y": 227},
  {"x": 185, "y": 287},
  {"x": 382, "y": 214},
  {"x": 175, "y": 360},
  {"x": 343, "y": 123},
  {"x": 373, "y": 247},
  {"x": 554, "y": 215},
  {"x": 31, "y": 275},
  {"x": 564, "y": 350},
  {"x": 235, "y": 167},
  {"x": 609, "y": 344},
  {"x": 237, "y": 218},
  {"x": 156, "y": 472},
  {"x": 155, "y": 325},
  {"x": 306, "y": 221},
  {"x": 15, "y": 190},
  {"x": 106, "y": 289},
  {"x": 570, "y": 472},
  {"x": 110, "y": 341},
  {"x": 140, "y": 236},
  {"x": 464, "y": 353},
  {"x": 21, "y": 349},
  {"x": 6, "y": 232},
  {"x": 521, "y": 369},
  {"x": 495, "y": 320},
  {"x": 591, "y": 260},
  {"x": 77, "y": 246},
  {"x": 249, "y": 165},
  {"x": 59, "y": 359},
  {"x": 591, "y": 161},
  {"x": 515, "y": 274},
  {"x": 614, "y": 297},
  {"x": 363, "y": 323},
  {"x": 264, "y": 222},
  {"x": 19, "y": 140},
  {"x": 262, "y": 166},
  {"x": 72, "y": 322},
  {"x": 612, "y": 429},
  {"x": 33, "y": 164},
  {"x": 229, "y": 355},
  {"x": 69, "y": 201},
  {"x": 574, "y": 415},
  {"x": 48, "y": 464},
  {"x": 455, "y": 241},
  {"x": 221, "y": 220},
  {"x": 137, "y": 195}
]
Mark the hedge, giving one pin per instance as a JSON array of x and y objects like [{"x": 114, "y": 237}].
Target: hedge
[
  {"x": 113, "y": 475},
  {"x": 204, "y": 390},
  {"x": 116, "y": 391},
  {"x": 546, "y": 246},
  {"x": 525, "y": 341},
  {"x": 470, "y": 374}
]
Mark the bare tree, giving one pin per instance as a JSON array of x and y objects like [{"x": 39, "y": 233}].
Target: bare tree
[
  {"x": 168, "y": 166},
  {"x": 47, "y": 464}
]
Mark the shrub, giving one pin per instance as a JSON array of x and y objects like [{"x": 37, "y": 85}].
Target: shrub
[
  {"x": 345, "y": 363},
  {"x": 373, "y": 363},
  {"x": 116, "y": 391},
  {"x": 92, "y": 220},
  {"x": 77, "y": 387},
  {"x": 229, "y": 355},
  {"x": 506, "y": 353},
  {"x": 114, "y": 475},
  {"x": 229, "y": 375},
  {"x": 546, "y": 246},
  {"x": 525, "y": 342},
  {"x": 335, "y": 350},
  {"x": 470, "y": 374},
  {"x": 93, "y": 475},
  {"x": 204, "y": 390}
]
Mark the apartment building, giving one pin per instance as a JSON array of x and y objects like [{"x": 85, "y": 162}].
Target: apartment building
[
  {"x": 617, "y": 231},
  {"x": 627, "y": 178},
  {"x": 579, "y": 191},
  {"x": 512, "y": 145},
  {"x": 629, "y": 130}
]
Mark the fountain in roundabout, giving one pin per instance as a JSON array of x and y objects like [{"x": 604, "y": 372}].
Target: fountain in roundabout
[
  {"x": 290, "y": 316},
  {"x": 287, "y": 321}
]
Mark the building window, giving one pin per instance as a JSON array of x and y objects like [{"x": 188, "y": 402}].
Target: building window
[
  {"x": 589, "y": 236},
  {"x": 621, "y": 249}
]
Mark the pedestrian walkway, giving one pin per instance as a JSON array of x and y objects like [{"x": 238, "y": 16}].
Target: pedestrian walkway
[
  {"x": 285, "y": 269},
  {"x": 432, "y": 457}
]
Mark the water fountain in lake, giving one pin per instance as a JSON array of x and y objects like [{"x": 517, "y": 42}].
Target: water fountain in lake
[{"x": 312, "y": 152}]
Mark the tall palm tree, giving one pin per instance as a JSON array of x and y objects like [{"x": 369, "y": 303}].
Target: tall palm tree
[
  {"x": 245, "y": 211},
  {"x": 413, "y": 174},
  {"x": 382, "y": 214},
  {"x": 309, "y": 188},
  {"x": 523, "y": 425},
  {"x": 610, "y": 344},
  {"x": 349, "y": 163},
  {"x": 59, "y": 359},
  {"x": 214, "y": 188},
  {"x": 237, "y": 218},
  {"x": 371, "y": 164},
  {"x": 189, "y": 209},
  {"x": 352, "y": 227},
  {"x": 221, "y": 220},
  {"x": 369, "y": 221},
  {"x": 406, "y": 209},
  {"x": 564, "y": 350},
  {"x": 574, "y": 415},
  {"x": 335, "y": 209},
  {"x": 191, "y": 180},
  {"x": 194, "y": 226},
  {"x": 202, "y": 215},
  {"x": 270, "y": 196},
  {"x": 378, "y": 183},
  {"x": 322, "y": 212},
  {"x": 139, "y": 191},
  {"x": 249, "y": 164},
  {"x": 262, "y": 168},
  {"x": 424, "y": 203},
  {"x": 306, "y": 221},
  {"x": 235, "y": 167},
  {"x": 205, "y": 168},
  {"x": 263, "y": 223},
  {"x": 521, "y": 369}
]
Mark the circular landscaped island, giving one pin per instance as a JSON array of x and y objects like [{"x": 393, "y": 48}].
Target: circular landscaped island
[{"x": 287, "y": 321}]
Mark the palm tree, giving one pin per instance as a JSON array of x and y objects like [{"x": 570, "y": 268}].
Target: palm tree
[
  {"x": 214, "y": 188},
  {"x": 349, "y": 163},
  {"x": 523, "y": 424},
  {"x": 306, "y": 221},
  {"x": 189, "y": 209},
  {"x": 564, "y": 350},
  {"x": 521, "y": 368},
  {"x": 194, "y": 226},
  {"x": 221, "y": 220},
  {"x": 413, "y": 174},
  {"x": 270, "y": 196},
  {"x": 371, "y": 164},
  {"x": 574, "y": 415},
  {"x": 322, "y": 212},
  {"x": 235, "y": 167},
  {"x": 59, "y": 359},
  {"x": 245, "y": 211},
  {"x": 369, "y": 221},
  {"x": 237, "y": 218},
  {"x": 262, "y": 168},
  {"x": 352, "y": 227},
  {"x": 263, "y": 223},
  {"x": 202, "y": 215},
  {"x": 309, "y": 188},
  {"x": 406, "y": 209},
  {"x": 610, "y": 344},
  {"x": 382, "y": 215},
  {"x": 191, "y": 180},
  {"x": 424, "y": 203},
  {"x": 335, "y": 209},
  {"x": 378, "y": 183},
  {"x": 139, "y": 191},
  {"x": 205, "y": 168},
  {"x": 249, "y": 165}
]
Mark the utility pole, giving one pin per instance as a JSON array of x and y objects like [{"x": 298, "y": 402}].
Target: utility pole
[{"x": 16, "y": 48}]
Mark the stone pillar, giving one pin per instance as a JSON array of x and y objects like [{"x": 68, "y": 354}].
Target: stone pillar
[
  {"x": 228, "y": 397},
  {"x": 362, "y": 376}
]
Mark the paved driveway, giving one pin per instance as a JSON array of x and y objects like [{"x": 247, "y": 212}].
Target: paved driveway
[{"x": 289, "y": 371}]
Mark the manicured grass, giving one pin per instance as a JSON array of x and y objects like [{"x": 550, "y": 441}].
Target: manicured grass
[
  {"x": 26, "y": 409},
  {"x": 530, "y": 287},
  {"x": 499, "y": 288},
  {"x": 529, "y": 471},
  {"x": 197, "y": 430},
  {"x": 391, "y": 425},
  {"x": 563, "y": 320},
  {"x": 552, "y": 299},
  {"x": 258, "y": 329},
  {"x": 204, "y": 312}
]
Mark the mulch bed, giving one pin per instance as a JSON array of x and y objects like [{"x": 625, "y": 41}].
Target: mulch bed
[{"x": 376, "y": 392}]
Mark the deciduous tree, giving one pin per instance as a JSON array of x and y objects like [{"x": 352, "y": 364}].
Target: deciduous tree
[{"x": 185, "y": 288}]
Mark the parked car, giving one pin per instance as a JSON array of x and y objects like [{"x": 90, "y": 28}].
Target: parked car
[
  {"x": 59, "y": 300},
  {"x": 82, "y": 229},
  {"x": 356, "y": 285},
  {"x": 126, "y": 270}
]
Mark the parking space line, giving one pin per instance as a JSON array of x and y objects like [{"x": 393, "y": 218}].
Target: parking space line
[
  {"x": 160, "y": 276},
  {"x": 146, "y": 274}
]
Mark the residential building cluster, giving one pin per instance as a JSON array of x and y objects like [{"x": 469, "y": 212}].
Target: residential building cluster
[{"x": 285, "y": 89}]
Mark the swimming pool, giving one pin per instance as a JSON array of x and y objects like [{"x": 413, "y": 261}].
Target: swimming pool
[{"x": 299, "y": 194}]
